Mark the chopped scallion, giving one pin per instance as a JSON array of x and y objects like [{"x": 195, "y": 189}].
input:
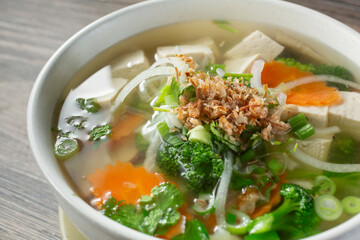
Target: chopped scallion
[
  {"x": 239, "y": 226},
  {"x": 65, "y": 148},
  {"x": 275, "y": 167},
  {"x": 305, "y": 132},
  {"x": 204, "y": 204},
  {"x": 328, "y": 207},
  {"x": 325, "y": 185},
  {"x": 351, "y": 204},
  {"x": 200, "y": 134},
  {"x": 297, "y": 122}
]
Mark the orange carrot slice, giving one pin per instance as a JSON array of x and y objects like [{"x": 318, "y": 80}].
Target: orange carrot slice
[
  {"x": 127, "y": 125},
  {"x": 275, "y": 199},
  {"x": 275, "y": 73},
  {"x": 123, "y": 181},
  {"x": 312, "y": 94}
]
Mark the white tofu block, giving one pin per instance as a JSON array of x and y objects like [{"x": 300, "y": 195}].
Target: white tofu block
[
  {"x": 106, "y": 100},
  {"x": 202, "y": 55},
  {"x": 129, "y": 65},
  {"x": 347, "y": 114},
  {"x": 298, "y": 47},
  {"x": 256, "y": 43},
  {"x": 241, "y": 65},
  {"x": 207, "y": 42},
  {"x": 317, "y": 148},
  {"x": 317, "y": 116}
]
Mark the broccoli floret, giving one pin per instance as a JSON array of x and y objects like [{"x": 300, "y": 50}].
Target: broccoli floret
[
  {"x": 294, "y": 219},
  {"x": 200, "y": 167}
]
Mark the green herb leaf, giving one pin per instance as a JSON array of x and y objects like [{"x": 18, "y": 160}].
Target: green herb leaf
[
  {"x": 90, "y": 105},
  {"x": 195, "y": 230},
  {"x": 99, "y": 132},
  {"x": 77, "y": 121}
]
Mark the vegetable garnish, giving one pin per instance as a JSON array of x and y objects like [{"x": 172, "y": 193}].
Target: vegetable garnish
[
  {"x": 351, "y": 204},
  {"x": 223, "y": 24},
  {"x": 100, "y": 132},
  {"x": 157, "y": 213},
  {"x": 195, "y": 230},
  {"x": 65, "y": 148},
  {"x": 123, "y": 181},
  {"x": 328, "y": 207},
  {"x": 312, "y": 94},
  {"x": 90, "y": 105}
]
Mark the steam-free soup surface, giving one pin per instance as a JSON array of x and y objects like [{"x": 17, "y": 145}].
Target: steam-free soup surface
[{"x": 215, "y": 130}]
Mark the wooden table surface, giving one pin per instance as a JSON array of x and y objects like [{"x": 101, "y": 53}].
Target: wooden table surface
[{"x": 30, "y": 32}]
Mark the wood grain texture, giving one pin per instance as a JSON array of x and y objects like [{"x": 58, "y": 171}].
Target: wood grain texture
[{"x": 30, "y": 31}]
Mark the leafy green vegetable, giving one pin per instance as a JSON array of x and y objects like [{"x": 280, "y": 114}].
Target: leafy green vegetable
[
  {"x": 213, "y": 67},
  {"x": 155, "y": 214},
  {"x": 195, "y": 230},
  {"x": 169, "y": 95},
  {"x": 195, "y": 162},
  {"x": 221, "y": 138},
  {"x": 271, "y": 235},
  {"x": 200, "y": 134},
  {"x": 90, "y": 105},
  {"x": 97, "y": 133}
]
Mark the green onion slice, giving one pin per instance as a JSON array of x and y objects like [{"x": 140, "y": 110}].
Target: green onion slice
[
  {"x": 351, "y": 204},
  {"x": 326, "y": 185},
  {"x": 328, "y": 207},
  {"x": 65, "y": 148},
  {"x": 204, "y": 204},
  {"x": 241, "y": 223}
]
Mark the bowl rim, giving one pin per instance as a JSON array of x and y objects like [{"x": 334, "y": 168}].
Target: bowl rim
[{"x": 66, "y": 192}]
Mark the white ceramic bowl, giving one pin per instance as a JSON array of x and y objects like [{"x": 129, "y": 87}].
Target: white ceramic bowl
[{"x": 107, "y": 31}]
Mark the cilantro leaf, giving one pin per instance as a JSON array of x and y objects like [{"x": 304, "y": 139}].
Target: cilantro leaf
[
  {"x": 195, "y": 230},
  {"x": 90, "y": 105},
  {"x": 154, "y": 215},
  {"x": 99, "y": 132}
]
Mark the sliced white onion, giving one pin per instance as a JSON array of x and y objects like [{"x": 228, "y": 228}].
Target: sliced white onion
[
  {"x": 325, "y": 132},
  {"x": 150, "y": 73},
  {"x": 222, "y": 191},
  {"x": 281, "y": 97},
  {"x": 177, "y": 63},
  {"x": 256, "y": 69},
  {"x": 172, "y": 120},
  {"x": 321, "y": 78},
  {"x": 332, "y": 167}
]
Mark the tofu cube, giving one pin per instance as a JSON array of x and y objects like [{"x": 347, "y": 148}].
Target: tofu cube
[
  {"x": 129, "y": 65},
  {"x": 347, "y": 114},
  {"x": 241, "y": 65},
  {"x": 202, "y": 55},
  {"x": 317, "y": 116},
  {"x": 317, "y": 148},
  {"x": 207, "y": 42},
  {"x": 106, "y": 100},
  {"x": 256, "y": 43}
]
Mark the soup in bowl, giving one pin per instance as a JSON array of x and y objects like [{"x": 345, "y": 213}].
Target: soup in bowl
[{"x": 203, "y": 126}]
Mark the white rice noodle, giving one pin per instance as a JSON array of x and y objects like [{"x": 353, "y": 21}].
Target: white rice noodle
[
  {"x": 150, "y": 156},
  {"x": 256, "y": 69},
  {"x": 332, "y": 167},
  {"x": 322, "y": 78},
  {"x": 222, "y": 191},
  {"x": 325, "y": 132}
]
